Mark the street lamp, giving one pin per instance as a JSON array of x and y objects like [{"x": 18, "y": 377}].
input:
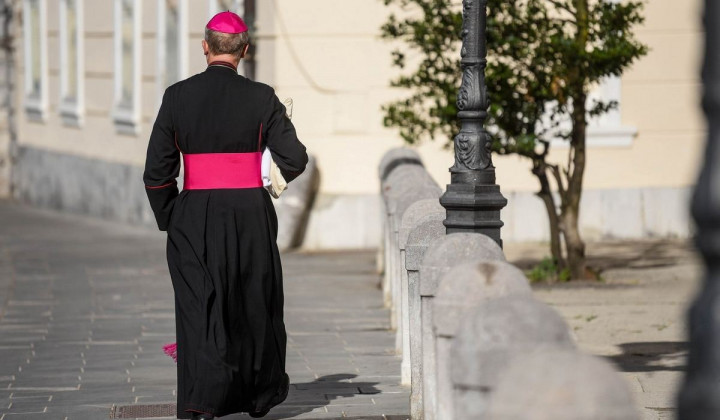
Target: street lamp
[
  {"x": 700, "y": 394},
  {"x": 473, "y": 201}
]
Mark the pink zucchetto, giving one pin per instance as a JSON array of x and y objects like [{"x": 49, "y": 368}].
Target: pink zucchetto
[{"x": 228, "y": 23}]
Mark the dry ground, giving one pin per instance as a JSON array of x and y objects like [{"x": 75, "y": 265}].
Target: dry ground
[{"x": 636, "y": 317}]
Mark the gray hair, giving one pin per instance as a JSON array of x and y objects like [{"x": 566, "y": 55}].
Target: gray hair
[{"x": 222, "y": 43}]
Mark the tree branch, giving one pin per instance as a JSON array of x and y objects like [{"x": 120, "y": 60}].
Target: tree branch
[
  {"x": 570, "y": 21},
  {"x": 562, "y": 6},
  {"x": 545, "y": 194},
  {"x": 546, "y": 149},
  {"x": 555, "y": 170}
]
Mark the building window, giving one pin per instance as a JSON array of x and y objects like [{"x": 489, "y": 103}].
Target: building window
[
  {"x": 72, "y": 63},
  {"x": 217, "y": 6},
  {"x": 172, "y": 43},
  {"x": 126, "y": 113},
  {"x": 608, "y": 130},
  {"x": 36, "y": 71}
]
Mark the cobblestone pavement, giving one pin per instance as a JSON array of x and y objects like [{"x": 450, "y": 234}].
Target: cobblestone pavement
[
  {"x": 86, "y": 305},
  {"x": 636, "y": 317}
]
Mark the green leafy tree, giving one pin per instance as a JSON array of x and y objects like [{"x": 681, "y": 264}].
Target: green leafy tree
[{"x": 544, "y": 57}]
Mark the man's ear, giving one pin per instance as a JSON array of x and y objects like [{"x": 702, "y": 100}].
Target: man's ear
[
  {"x": 205, "y": 47},
  {"x": 245, "y": 50}
]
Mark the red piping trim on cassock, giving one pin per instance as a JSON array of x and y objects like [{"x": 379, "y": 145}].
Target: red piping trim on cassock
[
  {"x": 160, "y": 187},
  {"x": 260, "y": 138}
]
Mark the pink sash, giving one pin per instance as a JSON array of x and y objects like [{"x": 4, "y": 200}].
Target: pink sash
[{"x": 208, "y": 171}]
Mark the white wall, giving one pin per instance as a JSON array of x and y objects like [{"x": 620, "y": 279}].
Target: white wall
[{"x": 327, "y": 55}]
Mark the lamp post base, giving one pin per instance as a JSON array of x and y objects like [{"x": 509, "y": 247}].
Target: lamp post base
[{"x": 474, "y": 208}]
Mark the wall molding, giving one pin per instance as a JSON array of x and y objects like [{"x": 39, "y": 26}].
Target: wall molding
[
  {"x": 127, "y": 114},
  {"x": 182, "y": 45},
  {"x": 72, "y": 104},
  {"x": 35, "y": 101}
]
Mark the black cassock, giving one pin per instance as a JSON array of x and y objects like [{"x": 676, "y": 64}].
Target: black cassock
[{"x": 221, "y": 247}]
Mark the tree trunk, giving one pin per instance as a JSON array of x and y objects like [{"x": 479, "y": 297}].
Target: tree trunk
[
  {"x": 545, "y": 194},
  {"x": 570, "y": 212},
  {"x": 571, "y": 204},
  {"x": 574, "y": 244}
]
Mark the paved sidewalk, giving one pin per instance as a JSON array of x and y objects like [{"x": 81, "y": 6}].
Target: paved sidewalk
[{"x": 86, "y": 305}]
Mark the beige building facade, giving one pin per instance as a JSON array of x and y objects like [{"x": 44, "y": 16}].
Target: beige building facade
[{"x": 91, "y": 74}]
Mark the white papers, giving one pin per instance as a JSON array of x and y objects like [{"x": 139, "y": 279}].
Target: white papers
[{"x": 265, "y": 168}]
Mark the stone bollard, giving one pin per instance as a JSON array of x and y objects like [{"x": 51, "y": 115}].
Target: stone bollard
[
  {"x": 387, "y": 248},
  {"x": 411, "y": 218},
  {"x": 403, "y": 179},
  {"x": 390, "y": 161},
  {"x": 461, "y": 289},
  {"x": 446, "y": 253},
  {"x": 405, "y": 183},
  {"x": 396, "y": 157},
  {"x": 561, "y": 385},
  {"x": 398, "y": 208},
  {"x": 427, "y": 231},
  {"x": 488, "y": 339}
]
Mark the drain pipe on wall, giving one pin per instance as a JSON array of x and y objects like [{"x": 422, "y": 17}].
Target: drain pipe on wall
[{"x": 9, "y": 14}]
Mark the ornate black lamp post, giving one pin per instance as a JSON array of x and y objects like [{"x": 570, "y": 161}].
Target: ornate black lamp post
[
  {"x": 473, "y": 201},
  {"x": 700, "y": 394}
]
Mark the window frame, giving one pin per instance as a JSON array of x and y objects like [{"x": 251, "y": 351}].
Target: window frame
[
  {"x": 608, "y": 129},
  {"x": 183, "y": 45},
  {"x": 35, "y": 103},
  {"x": 127, "y": 117},
  {"x": 214, "y": 7},
  {"x": 238, "y": 7},
  {"x": 72, "y": 104}
]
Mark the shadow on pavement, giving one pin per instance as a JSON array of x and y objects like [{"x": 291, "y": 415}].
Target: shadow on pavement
[
  {"x": 651, "y": 356},
  {"x": 629, "y": 254},
  {"x": 308, "y": 396},
  {"x": 641, "y": 254}
]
